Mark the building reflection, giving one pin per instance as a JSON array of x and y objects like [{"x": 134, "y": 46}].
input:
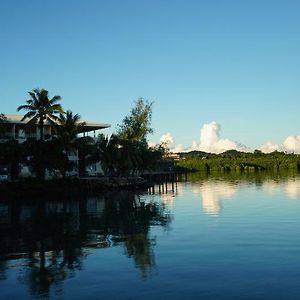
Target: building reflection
[{"x": 53, "y": 237}]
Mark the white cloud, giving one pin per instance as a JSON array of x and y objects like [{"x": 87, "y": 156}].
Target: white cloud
[
  {"x": 178, "y": 148},
  {"x": 269, "y": 147},
  {"x": 167, "y": 140},
  {"x": 210, "y": 140},
  {"x": 290, "y": 144},
  {"x": 151, "y": 144}
]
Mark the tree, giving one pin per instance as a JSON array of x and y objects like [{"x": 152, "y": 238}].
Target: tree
[
  {"x": 3, "y": 120},
  {"x": 41, "y": 109},
  {"x": 136, "y": 126},
  {"x": 11, "y": 153},
  {"x": 85, "y": 147},
  {"x": 106, "y": 151},
  {"x": 67, "y": 127}
]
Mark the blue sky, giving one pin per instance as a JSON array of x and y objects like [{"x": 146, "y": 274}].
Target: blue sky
[{"x": 233, "y": 62}]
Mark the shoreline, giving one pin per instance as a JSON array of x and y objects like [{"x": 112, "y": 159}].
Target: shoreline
[{"x": 70, "y": 186}]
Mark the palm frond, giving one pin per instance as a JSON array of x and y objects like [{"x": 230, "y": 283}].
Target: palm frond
[
  {"x": 55, "y": 99},
  {"x": 29, "y": 115},
  {"x": 33, "y": 96},
  {"x": 26, "y": 107},
  {"x": 56, "y": 108},
  {"x": 32, "y": 120}
]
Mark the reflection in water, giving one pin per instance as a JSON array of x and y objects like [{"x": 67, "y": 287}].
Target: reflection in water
[
  {"x": 212, "y": 192},
  {"x": 167, "y": 199},
  {"x": 44, "y": 243},
  {"x": 167, "y": 192},
  {"x": 52, "y": 238},
  {"x": 214, "y": 188},
  {"x": 291, "y": 187}
]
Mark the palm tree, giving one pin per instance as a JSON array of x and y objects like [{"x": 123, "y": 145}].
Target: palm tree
[
  {"x": 85, "y": 147},
  {"x": 41, "y": 109},
  {"x": 3, "y": 120},
  {"x": 66, "y": 127}
]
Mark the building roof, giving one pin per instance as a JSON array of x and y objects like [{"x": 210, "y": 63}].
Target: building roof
[{"x": 89, "y": 125}]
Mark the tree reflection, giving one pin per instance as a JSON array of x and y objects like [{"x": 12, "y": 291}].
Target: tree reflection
[
  {"x": 56, "y": 236},
  {"x": 257, "y": 178},
  {"x": 126, "y": 220}
]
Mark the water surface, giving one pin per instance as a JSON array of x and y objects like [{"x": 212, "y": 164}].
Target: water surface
[{"x": 213, "y": 237}]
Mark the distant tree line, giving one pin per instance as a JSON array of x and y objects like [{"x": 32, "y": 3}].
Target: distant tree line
[{"x": 239, "y": 161}]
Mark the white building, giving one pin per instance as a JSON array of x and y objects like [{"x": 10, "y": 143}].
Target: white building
[{"x": 19, "y": 130}]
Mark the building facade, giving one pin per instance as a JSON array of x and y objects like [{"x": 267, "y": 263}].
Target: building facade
[{"x": 16, "y": 129}]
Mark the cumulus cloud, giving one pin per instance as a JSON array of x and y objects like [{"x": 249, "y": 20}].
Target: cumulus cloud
[
  {"x": 291, "y": 145},
  {"x": 269, "y": 147},
  {"x": 167, "y": 140},
  {"x": 210, "y": 140},
  {"x": 151, "y": 144},
  {"x": 178, "y": 148}
]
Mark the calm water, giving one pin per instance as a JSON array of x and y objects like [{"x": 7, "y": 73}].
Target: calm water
[{"x": 214, "y": 237}]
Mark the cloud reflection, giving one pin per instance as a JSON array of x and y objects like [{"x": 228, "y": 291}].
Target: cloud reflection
[
  {"x": 167, "y": 199},
  {"x": 212, "y": 193},
  {"x": 290, "y": 187}
]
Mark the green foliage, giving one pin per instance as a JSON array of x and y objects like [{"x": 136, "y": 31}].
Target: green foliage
[
  {"x": 127, "y": 152},
  {"x": 41, "y": 109},
  {"x": 3, "y": 120},
  {"x": 34, "y": 151},
  {"x": 124, "y": 153},
  {"x": 125, "y": 157},
  {"x": 66, "y": 128},
  {"x": 234, "y": 160},
  {"x": 258, "y": 178},
  {"x": 12, "y": 154},
  {"x": 136, "y": 126},
  {"x": 85, "y": 147}
]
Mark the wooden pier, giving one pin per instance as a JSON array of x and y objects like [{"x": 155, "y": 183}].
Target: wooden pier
[{"x": 163, "y": 182}]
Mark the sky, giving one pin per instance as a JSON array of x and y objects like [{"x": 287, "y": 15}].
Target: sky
[{"x": 229, "y": 66}]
